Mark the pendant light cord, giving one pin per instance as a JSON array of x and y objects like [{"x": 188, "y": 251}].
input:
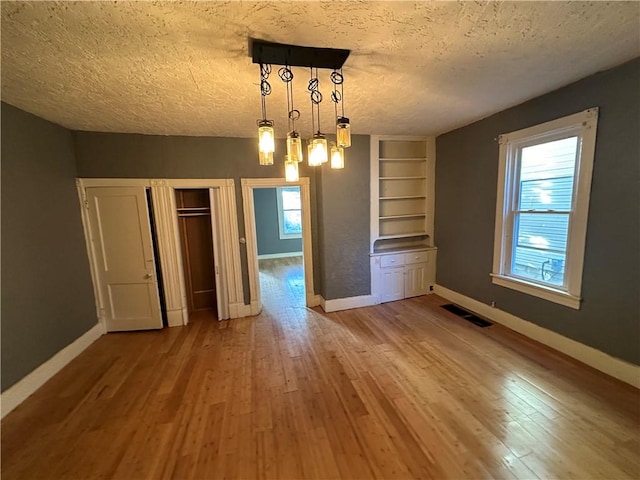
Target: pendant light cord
[
  {"x": 337, "y": 97},
  {"x": 316, "y": 98},
  {"x": 265, "y": 87},
  {"x": 286, "y": 75}
]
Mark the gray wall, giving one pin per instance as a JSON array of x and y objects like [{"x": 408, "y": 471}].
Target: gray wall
[
  {"x": 47, "y": 297},
  {"x": 344, "y": 212},
  {"x": 466, "y": 182},
  {"x": 265, "y": 203},
  {"x": 119, "y": 155}
]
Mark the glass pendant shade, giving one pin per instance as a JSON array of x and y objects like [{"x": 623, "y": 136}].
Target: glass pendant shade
[
  {"x": 294, "y": 147},
  {"x": 319, "y": 150},
  {"x": 266, "y": 158},
  {"x": 337, "y": 157},
  {"x": 318, "y": 153},
  {"x": 311, "y": 158},
  {"x": 343, "y": 132},
  {"x": 291, "y": 170},
  {"x": 266, "y": 138}
]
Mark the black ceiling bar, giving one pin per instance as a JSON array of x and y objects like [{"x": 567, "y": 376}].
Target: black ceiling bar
[{"x": 296, "y": 56}]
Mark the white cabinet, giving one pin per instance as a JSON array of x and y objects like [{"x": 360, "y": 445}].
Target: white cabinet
[
  {"x": 402, "y": 206},
  {"x": 402, "y": 275}
]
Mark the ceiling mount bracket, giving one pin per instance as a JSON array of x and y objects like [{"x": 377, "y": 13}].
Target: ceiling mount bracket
[{"x": 263, "y": 52}]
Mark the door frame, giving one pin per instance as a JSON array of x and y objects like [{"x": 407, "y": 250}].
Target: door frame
[
  {"x": 248, "y": 185},
  {"x": 223, "y": 208}
]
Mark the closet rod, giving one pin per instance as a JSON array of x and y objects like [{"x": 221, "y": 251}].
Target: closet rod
[{"x": 203, "y": 214}]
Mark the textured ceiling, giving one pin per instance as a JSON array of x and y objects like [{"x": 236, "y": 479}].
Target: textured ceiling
[{"x": 183, "y": 68}]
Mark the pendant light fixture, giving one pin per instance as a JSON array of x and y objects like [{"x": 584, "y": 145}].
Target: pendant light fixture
[
  {"x": 294, "y": 142},
  {"x": 318, "y": 151},
  {"x": 291, "y": 173},
  {"x": 337, "y": 157},
  {"x": 269, "y": 53},
  {"x": 266, "y": 135},
  {"x": 343, "y": 127}
]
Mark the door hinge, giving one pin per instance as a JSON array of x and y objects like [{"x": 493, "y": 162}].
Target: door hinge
[{"x": 86, "y": 204}]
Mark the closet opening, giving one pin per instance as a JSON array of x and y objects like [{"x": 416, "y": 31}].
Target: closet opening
[{"x": 196, "y": 238}]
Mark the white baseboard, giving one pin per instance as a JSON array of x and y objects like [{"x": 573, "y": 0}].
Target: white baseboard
[
  {"x": 239, "y": 310},
  {"x": 279, "y": 255},
  {"x": 615, "y": 367},
  {"x": 255, "y": 308},
  {"x": 338, "y": 304},
  {"x": 18, "y": 393},
  {"x": 314, "y": 300},
  {"x": 176, "y": 318}
]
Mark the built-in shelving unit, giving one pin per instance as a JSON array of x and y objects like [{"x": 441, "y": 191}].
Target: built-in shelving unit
[
  {"x": 402, "y": 205},
  {"x": 400, "y": 186}
]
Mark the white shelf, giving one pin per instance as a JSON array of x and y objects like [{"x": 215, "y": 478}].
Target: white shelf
[
  {"x": 410, "y": 215},
  {"x": 402, "y": 178},
  {"x": 403, "y": 197},
  {"x": 402, "y": 235},
  {"x": 418, "y": 159}
]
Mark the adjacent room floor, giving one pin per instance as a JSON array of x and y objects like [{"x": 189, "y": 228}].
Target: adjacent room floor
[
  {"x": 281, "y": 283},
  {"x": 400, "y": 390}
]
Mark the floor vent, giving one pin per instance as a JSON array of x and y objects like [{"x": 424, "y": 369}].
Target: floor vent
[{"x": 470, "y": 317}]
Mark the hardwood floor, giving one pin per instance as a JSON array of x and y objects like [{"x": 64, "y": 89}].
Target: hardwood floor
[{"x": 400, "y": 390}]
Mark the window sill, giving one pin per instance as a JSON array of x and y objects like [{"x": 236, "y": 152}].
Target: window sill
[{"x": 546, "y": 293}]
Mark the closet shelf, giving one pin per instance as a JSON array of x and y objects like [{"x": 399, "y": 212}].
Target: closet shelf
[{"x": 194, "y": 214}]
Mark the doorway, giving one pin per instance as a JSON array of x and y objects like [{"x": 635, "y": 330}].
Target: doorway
[
  {"x": 305, "y": 269},
  {"x": 196, "y": 240},
  {"x": 278, "y": 226}
]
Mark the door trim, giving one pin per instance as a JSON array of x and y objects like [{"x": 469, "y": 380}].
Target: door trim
[
  {"x": 163, "y": 196},
  {"x": 248, "y": 185}
]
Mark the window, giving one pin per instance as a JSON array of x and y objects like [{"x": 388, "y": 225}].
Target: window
[
  {"x": 289, "y": 212},
  {"x": 544, "y": 184}
]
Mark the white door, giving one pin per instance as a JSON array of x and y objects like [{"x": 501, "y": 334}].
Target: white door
[
  {"x": 121, "y": 243},
  {"x": 415, "y": 280},
  {"x": 392, "y": 284}
]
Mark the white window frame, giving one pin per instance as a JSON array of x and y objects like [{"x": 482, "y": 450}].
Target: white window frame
[
  {"x": 584, "y": 126},
  {"x": 285, "y": 236}
]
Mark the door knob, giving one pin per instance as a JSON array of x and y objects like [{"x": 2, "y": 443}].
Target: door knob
[{"x": 148, "y": 275}]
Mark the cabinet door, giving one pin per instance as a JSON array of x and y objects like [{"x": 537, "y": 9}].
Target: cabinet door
[
  {"x": 392, "y": 284},
  {"x": 415, "y": 280}
]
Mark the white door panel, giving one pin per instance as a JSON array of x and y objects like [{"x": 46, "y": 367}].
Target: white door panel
[
  {"x": 121, "y": 241},
  {"x": 392, "y": 284},
  {"x": 415, "y": 280}
]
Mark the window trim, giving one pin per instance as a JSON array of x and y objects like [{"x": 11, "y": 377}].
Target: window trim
[
  {"x": 282, "y": 235},
  {"x": 584, "y": 125}
]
